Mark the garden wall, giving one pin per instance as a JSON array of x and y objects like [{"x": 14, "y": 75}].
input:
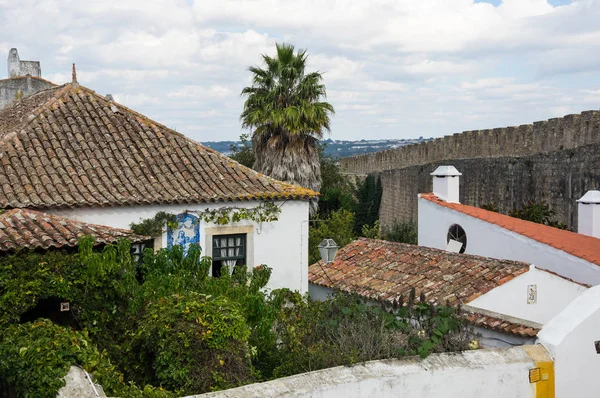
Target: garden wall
[{"x": 495, "y": 373}]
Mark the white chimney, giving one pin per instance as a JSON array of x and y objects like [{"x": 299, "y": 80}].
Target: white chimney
[
  {"x": 445, "y": 183},
  {"x": 588, "y": 219}
]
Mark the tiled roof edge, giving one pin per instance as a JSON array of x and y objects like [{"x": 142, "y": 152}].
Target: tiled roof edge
[{"x": 474, "y": 310}]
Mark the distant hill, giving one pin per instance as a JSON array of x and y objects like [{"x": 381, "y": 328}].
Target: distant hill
[{"x": 337, "y": 148}]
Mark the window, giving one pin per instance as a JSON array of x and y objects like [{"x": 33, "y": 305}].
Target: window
[
  {"x": 137, "y": 249},
  {"x": 458, "y": 234},
  {"x": 228, "y": 250}
]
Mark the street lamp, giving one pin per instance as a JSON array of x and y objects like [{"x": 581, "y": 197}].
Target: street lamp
[{"x": 328, "y": 249}]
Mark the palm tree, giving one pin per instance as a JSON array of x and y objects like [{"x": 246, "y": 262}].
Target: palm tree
[{"x": 284, "y": 108}]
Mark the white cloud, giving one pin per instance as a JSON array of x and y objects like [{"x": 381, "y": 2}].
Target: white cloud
[{"x": 393, "y": 68}]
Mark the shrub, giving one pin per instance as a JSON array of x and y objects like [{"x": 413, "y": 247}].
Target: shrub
[
  {"x": 36, "y": 357},
  {"x": 195, "y": 343},
  {"x": 538, "y": 212},
  {"x": 347, "y": 329},
  {"x": 339, "y": 227},
  {"x": 404, "y": 232}
]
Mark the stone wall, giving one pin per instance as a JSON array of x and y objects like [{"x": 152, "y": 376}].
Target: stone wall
[
  {"x": 552, "y": 135},
  {"x": 559, "y": 178},
  {"x": 12, "y": 90}
]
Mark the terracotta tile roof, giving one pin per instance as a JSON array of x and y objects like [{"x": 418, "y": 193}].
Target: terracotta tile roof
[
  {"x": 578, "y": 245},
  {"x": 379, "y": 269},
  {"x": 23, "y": 228},
  {"x": 501, "y": 323},
  {"x": 68, "y": 146}
]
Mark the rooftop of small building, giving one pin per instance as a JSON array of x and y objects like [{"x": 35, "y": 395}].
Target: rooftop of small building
[
  {"x": 576, "y": 244},
  {"x": 30, "y": 229},
  {"x": 68, "y": 146}
]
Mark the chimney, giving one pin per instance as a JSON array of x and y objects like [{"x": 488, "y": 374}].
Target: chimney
[
  {"x": 445, "y": 183},
  {"x": 13, "y": 63},
  {"x": 588, "y": 219}
]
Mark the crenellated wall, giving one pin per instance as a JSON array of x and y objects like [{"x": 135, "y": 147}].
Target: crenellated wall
[
  {"x": 570, "y": 131},
  {"x": 559, "y": 178}
]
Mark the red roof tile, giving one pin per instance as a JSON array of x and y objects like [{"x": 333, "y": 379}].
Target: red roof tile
[
  {"x": 578, "y": 245},
  {"x": 385, "y": 270},
  {"x": 501, "y": 323},
  {"x": 68, "y": 146},
  {"x": 22, "y": 228}
]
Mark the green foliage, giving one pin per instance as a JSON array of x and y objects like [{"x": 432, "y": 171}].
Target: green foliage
[
  {"x": 538, "y": 212},
  {"x": 338, "y": 226},
  {"x": 368, "y": 200},
  {"x": 404, "y": 232},
  {"x": 491, "y": 207},
  {"x": 166, "y": 323},
  {"x": 346, "y": 329},
  {"x": 265, "y": 212},
  {"x": 244, "y": 154},
  {"x": 28, "y": 277},
  {"x": 337, "y": 192},
  {"x": 370, "y": 232},
  {"x": 285, "y": 109},
  {"x": 36, "y": 356},
  {"x": 195, "y": 343},
  {"x": 154, "y": 226}
]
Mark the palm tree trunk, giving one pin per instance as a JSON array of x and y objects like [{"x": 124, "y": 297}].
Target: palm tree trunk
[{"x": 290, "y": 158}]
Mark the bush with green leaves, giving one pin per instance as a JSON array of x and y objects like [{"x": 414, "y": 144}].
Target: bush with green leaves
[
  {"x": 36, "y": 356},
  {"x": 368, "y": 197},
  {"x": 404, "y": 232},
  {"x": 195, "y": 343},
  {"x": 347, "y": 329}
]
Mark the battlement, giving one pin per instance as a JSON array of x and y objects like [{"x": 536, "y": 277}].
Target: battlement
[
  {"x": 17, "y": 68},
  {"x": 570, "y": 131}
]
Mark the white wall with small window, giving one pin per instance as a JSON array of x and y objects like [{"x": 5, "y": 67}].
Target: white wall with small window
[
  {"x": 281, "y": 244},
  {"x": 437, "y": 225}
]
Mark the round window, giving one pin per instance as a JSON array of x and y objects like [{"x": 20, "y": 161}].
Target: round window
[{"x": 457, "y": 233}]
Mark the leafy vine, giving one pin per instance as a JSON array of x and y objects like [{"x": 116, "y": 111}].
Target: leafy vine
[{"x": 265, "y": 212}]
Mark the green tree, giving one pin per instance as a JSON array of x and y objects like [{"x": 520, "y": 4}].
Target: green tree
[
  {"x": 284, "y": 108},
  {"x": 338, "y": 226},
  {"x": 243, "y": 154},
  {"x": 404, "y": 232},
  {"x": 337, "y": 191},
  {"x": 368, "y": 200}
]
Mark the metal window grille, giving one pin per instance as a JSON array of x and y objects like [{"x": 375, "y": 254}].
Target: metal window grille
[{"x": 229, "y": 251}]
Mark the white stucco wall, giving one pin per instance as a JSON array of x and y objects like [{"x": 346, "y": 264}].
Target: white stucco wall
[
  {"x": 569, "y": 338},
  {"x": 490, "y": 240},
  {"x": 282, "y": 244},
  {"x": 497, "y": 373},
  {"x": 553, "y": 295}
]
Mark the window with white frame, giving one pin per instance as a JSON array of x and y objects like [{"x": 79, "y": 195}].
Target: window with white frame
[{"x": 229, "y": 251}]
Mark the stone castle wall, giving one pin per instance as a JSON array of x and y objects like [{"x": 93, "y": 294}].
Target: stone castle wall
[
  {"x": 559, "y": 178},
  {"x": 571, "y": 131}
]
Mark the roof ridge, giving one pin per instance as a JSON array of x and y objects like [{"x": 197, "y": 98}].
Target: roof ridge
[
  {"x": 508, "y": 318},
  {"x": 452, "y": 254},
  {"x": 587, "y": 247},
  {"x": 30, "y": 76},
  {"x": 27, "y": 119},
  {"x": 192, "y": 141}
]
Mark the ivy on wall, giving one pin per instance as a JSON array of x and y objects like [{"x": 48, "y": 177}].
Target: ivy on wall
[{"x": 265, "y": 212}]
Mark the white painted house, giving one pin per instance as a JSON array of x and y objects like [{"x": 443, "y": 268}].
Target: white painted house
[
  {"x": 444, "y": 223},
  {"x": 71, "y": 152}
]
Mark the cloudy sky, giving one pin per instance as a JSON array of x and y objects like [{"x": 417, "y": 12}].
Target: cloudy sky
[{"x": 393, "y": 68}]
